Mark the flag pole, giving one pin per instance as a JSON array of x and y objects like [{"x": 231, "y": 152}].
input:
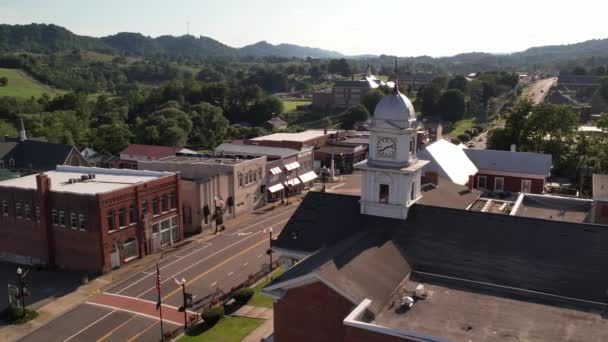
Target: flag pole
[{"x": 159, "y": 304}]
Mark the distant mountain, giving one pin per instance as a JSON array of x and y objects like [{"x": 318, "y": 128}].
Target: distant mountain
[
  {"x": 263, "y": 49},
  {"x": 42, "y": 38}
]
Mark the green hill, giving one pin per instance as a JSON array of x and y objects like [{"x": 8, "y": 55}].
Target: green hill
[{"x": 19, "y": 85}]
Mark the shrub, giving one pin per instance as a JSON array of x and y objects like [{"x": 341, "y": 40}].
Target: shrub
[
  {"x": 14, "y": 315},
  {"x": 472, "y": 132},
  {"x": 479, "y": 128},
  {"x": 243, "y": 295},
  {"x": 212, "y": 315},
  {"x": 464, "y": 137},
  {"x": 455, "y": 141}
]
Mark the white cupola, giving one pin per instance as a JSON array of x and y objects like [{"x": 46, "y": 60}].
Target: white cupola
[{"x": 391, "y": 175}]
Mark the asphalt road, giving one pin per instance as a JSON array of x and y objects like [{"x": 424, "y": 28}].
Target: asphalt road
[
  {"x": 539, "y": 89},
  {"x": 220, "y": 263}
]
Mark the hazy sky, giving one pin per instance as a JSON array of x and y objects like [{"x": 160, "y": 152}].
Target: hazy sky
[{"x": 401, "y": 27}]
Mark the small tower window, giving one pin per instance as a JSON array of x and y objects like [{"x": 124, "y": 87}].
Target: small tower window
[
  {"x": 413, "y": 194},
  {"x": 384, "y": 191},
  {"x": 412, "y": 145}
]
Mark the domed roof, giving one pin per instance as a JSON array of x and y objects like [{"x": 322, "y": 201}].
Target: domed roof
[{"x": 396, "y": 108}]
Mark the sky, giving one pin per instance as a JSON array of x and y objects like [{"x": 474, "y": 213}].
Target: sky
[{"x": 394, "y": 27}]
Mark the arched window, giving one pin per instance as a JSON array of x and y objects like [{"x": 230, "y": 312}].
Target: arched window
[
  {"x": 11, "y": 162},
  {"x": 1, "y": 163}
]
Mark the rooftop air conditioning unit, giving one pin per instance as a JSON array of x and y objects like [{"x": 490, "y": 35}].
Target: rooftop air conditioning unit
[{"x": 419, "y": 291}]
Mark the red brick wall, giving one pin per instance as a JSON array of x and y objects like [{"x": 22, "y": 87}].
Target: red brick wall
[
  {"x": 19, "y": 235},
  {"x": 601, "y": 212},
  {"x": 512, "y": 184},
  {"x": 313, "y": 312}
]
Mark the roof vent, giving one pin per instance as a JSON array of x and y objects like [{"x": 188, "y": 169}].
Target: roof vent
[{"x": 407, "y": 302}]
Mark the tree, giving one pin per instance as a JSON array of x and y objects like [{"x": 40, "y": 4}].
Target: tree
[
  {"x": 340, "y": 66},
  {"x": 265, "y": 109},
  {"x": 603, "y": 89},
  {"x": 458, "y": 82},
  {"x": 169, "y": 126},
  {"x": 209, "y": 126},
  {"x": 354, "y": 116},
  {"x": 371, "y": 99},
  {"x": 602, "y": 123},
  {"x": 549, "y": 126},
  {"x": 451, "y": 105},
  {"x": 3, "y": 81},
  {"x": 428, "y": 99},
  {"x": 110, "y": 138}
]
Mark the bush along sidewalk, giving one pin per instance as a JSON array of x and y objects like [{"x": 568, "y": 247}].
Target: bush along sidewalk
[{"x": 14, "y": 315}]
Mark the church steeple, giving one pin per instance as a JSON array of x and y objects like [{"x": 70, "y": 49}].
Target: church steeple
[{"x": 22, "y": 135}]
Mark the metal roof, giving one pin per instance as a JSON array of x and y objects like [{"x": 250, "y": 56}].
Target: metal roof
[{"x": 508, "y": 161}]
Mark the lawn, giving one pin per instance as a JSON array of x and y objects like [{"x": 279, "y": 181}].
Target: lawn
[
  {"x": 23, "y": 87},
  {"x": 260, "y": 299},
  {"x": 229, "y": 329},
  {"x": 461, "y": 126},
  {"x": 290, "y": 105}
]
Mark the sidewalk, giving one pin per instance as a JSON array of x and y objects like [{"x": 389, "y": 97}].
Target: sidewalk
[{"x": 83, "y": 293}]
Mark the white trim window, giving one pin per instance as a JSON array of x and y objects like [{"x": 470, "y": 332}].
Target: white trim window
[
  {"x": 499, "y": 184},
  {"x": 81, "y": 222},
  {"x": 73, "y": 221},
  {"x": 526, "y": 185},
  {"x": 481, "y": 182},
  {"x": 5, "y": 208},
  {"x": 18, "y": 210},
  {"x": 62, "y": 218},
  {"x": 27, "y": 212}
]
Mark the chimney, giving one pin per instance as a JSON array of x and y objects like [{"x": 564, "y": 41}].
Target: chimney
[
  {"x": 325, "y": 130},
  {"x": 513, "y": 148},
  {"x": 22, "y": 135},
  {"x": 43, "y": 183}
]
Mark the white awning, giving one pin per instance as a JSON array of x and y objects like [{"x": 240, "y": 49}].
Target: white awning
[
  {"x": 308, "y": 176},
  {"x": 275, "y": 188},
  {"x": 275, "y": 170},
  {"x": 293, "y": 182},
  {"x": 292, "y": 166}
]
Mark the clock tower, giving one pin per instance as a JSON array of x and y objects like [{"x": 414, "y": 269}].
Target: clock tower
[{"x": 391, "y": 175}]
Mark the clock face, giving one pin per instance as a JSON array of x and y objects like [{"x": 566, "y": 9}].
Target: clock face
[{"x": 386, "y": 147}]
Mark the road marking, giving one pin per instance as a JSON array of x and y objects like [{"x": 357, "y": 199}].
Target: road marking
[
  {"x": 212, "y": 285},
  {"x": 245, "y": 264},
  {"x": 231, "y": 273},
  {"x": 260, "y": 222},
  {"x": 221, "y": 250},
  {"x": 200, "y": 261},
  {"x": 141, "y": 332},
  {"x": 133, "y": 298},
  {"x": 259, "y": 256},
  {"x": 105, "y": 306},
  {"x": 90, "y": 325},
  {"x": 115, "y": 329},
  {"x": 217, "y": 266},
  {"x": 337, "y": 186},
  {"x": 147, "y": 274}
]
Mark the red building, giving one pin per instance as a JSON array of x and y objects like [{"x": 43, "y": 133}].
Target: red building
[
  {"x": 133, "y": 153},
  {"x": 509, "y": 171},
  {"x": 88, "y": 219}
]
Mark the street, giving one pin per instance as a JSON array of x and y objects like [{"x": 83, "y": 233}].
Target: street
[
  {"x": 125, "y": 312},
  {"x": 539, "y": 89}
]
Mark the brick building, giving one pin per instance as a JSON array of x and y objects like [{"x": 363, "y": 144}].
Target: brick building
[
  {"x": 509, "y": 171},
  {"x": 234, "y": 184},
  {"x": 88, "y": 219}
]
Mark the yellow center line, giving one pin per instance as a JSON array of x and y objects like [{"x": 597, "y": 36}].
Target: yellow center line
[
  {"x": 142, "y": 332},
  {"x": 214, "y": 268},
  {"x": 115, "y": 329}
]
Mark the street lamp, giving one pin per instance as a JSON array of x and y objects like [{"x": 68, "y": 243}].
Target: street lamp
[
  {"x": 21, "y": 292},
  {"x": 269, "y": 252},
  {"x": 186, "y": 298}
]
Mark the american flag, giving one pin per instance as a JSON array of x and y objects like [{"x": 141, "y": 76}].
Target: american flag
[{"x": 157, "y": 289}]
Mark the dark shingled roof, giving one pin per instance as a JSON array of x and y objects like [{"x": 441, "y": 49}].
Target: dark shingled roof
[
  {"x": 558, "y": 258},
  {"x": 38, "y": 155},
  {"x": 358, "y": 267}
]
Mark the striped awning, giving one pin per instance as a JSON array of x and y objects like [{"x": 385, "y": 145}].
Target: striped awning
[
  {"x": 293, "y": 182},
  {"x": 292, "y": 166},
  {"x": 308, "y": 176},
  {"x": 275, "y": 170},
  {"x": 275, "y": 188}
]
